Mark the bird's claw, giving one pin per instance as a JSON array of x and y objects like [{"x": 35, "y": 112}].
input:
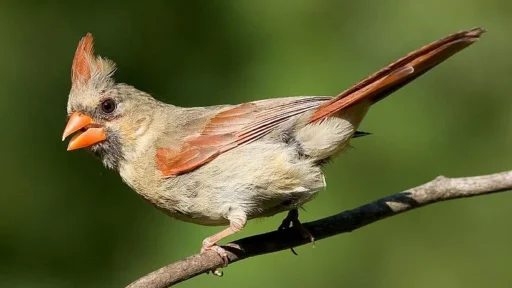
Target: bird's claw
[
  {"x": 222, "y": 254},
  {"x": 305, "y": 233},
  {"x": 292, "y": 220}
]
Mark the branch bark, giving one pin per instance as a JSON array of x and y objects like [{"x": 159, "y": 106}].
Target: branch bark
[{"x": 438, "y": 190}]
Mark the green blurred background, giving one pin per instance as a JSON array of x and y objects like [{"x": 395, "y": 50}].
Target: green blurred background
[{"x": 65, "y": 221}]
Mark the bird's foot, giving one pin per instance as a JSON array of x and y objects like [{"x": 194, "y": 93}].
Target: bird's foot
[
  {"x": 292, "y": 220},
  {"x": 207, "y": 245},
  {"x": 210, "y": 243}
]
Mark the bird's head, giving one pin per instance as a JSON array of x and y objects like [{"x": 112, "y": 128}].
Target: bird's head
[{"x": 104, "y": 116}]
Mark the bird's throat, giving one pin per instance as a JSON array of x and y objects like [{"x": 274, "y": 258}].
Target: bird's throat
[{"x": 110, "y": 152}]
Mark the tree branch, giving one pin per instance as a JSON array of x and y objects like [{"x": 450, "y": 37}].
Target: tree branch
[{"x": 437, "y": 190}]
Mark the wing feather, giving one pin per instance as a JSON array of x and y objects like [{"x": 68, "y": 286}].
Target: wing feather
[{"x": 233, "y": 127}]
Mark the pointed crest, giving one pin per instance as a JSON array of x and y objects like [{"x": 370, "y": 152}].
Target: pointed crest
[{"x": 87, "y": 66}]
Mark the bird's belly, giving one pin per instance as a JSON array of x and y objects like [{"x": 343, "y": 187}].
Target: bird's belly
[
  {"x": 261, "y": 179},
  {"x": 204, "y": 220},
  {"x": 213, "y": 216}
]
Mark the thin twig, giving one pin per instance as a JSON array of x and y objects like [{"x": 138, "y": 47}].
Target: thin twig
[{"x": 437, "y": 190}]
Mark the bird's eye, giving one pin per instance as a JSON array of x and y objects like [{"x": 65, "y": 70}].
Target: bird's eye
[{"x": 108, "y": 106}]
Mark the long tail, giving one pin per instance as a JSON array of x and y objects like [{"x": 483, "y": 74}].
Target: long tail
[{"x": 399, "y": 73}]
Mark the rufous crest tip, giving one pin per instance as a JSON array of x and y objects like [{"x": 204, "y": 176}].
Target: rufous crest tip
[{"x": 81, "y": 70}]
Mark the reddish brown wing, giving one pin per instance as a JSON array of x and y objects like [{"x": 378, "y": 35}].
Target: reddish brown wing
[
  {"x": 251, "y": 121},
  {"x": 399, "y": 73},
  {"x": 230, "y": 128}
]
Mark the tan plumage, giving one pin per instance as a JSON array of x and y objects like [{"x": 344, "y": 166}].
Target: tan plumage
[{"x": 224, "y": 165}]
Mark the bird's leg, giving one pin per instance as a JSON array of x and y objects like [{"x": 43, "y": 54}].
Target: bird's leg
[
  {"x": 210, "y": 243},
  {"x": 292, "y": 219}
]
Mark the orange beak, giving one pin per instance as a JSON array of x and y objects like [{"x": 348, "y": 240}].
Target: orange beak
[{"x": 92, "y": 134}]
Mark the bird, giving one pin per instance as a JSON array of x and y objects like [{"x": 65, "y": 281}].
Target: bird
[{"x": 225, "y": 164}]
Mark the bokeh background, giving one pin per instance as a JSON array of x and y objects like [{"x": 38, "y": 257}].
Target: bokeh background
[{"x": 65, "y": 221}]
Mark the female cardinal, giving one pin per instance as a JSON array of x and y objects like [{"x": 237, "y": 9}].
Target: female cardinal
[{"x": 226, "y": 164}]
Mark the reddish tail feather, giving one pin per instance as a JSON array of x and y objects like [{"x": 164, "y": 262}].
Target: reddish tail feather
[{"x": 399, "y": 73}]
